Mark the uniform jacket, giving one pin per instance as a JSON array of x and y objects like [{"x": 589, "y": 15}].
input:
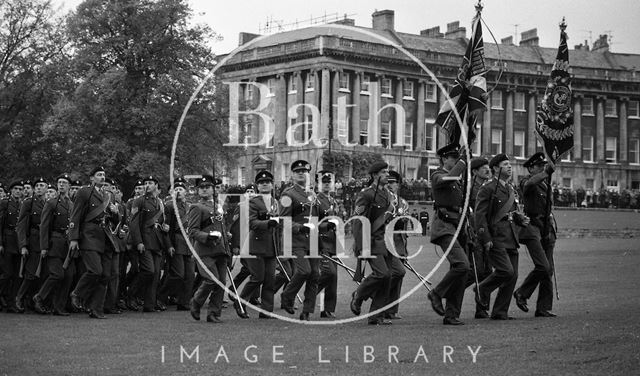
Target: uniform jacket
[
  {"x": 176, "y": 239},
  {"x": 373, "y": 206},
  {"x": 262, "y": 238},
  {"x": 492, "y": 197},
  {"x": 203, "y": 219},
  {"x": 537, "y": 203},
  {"x": 28, "y": 227},
  {"x": 147, "y": 218},
  {"x": 327, "y": 206},
  {"x": 9, "y": 212},
  {"x": 54, "y": 226},
  {"x": 448, "y": 196},
  {"x": 91, "y": 233},
  {"x": 400, "y": 240},
  {"x": 232, "y": 220},
  {"x": 301, "y": 207}
]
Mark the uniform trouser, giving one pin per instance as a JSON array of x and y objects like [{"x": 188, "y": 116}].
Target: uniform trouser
[
  {"x": 281, "y": 276},
  {"x": 452, "y": 285},
  {"x": 541, "y": 253},
  {"x": 92, "y": 286},
  {"x": 58, "y": 282},
  {"x": 179, "y": 279},
  {"x": 503, "y": 278},
  {"x": 146, "y": 281},
  {"x": 218, "y": 267},
  {"x": 480, "y": 265},
  {"x": 395, "y": 282},
  {"x": 329, "y": 283},
  {"x": 134, "y": 269},
  {"x": 376, "y": 284},
  {"x": 424, "y": 224},
  {"x": 114, "y": 281},
  {"x": 9, "y": 281},
  {"x": 29, "y": 281},
  {"x": 305, "y": 271},
  {"x": 242, "y": 275},
  {"x": 263, "y": 273}
]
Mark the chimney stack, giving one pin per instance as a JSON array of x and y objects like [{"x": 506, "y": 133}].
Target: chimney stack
[
  {"x": 508, "y": 40},
  {"x": 434, "y": 32},
  {"x": 454, "y": 31},
  {"x": 383, "y": 19},
  {"x": 529, "y": 38},
  {"x": 602, "y": 44},
  {"x": 346, "y": 21},
  {"x": 582, "y": 47},
  {"x": 246, "y": 37}
]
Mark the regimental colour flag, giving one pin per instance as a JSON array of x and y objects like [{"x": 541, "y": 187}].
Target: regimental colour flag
[
  {"x": 469, "y": 91},
  {"x": 554, "y": 116}
]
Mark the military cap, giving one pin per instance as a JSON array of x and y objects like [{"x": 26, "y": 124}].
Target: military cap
[
  {"x": 180, "y": 182},
  {"x": 325, "y": 176},
  {"x": 262, "y": 176},
  {"x": 478, "y": 162},
  {"x": 40, "y": 180},
  {"x": 205, "y": 180},
  {"x": 27, "y": 182},
  {"x": 250, "y": 186},
  {"x": 497, "y": 159},
  {"x": 449, "y": 150},
  {"x": 139, "y": 183},
  {"x": 16, "y": 183},
  {"x": 150, "y": 178},
  {"x": 300, "y": 165},
  {"x": 96, "y": 170},
  {"x": 537, "y": 158},
  {"x": 394, "y": 177},
  {"x": 111, "y": 181},
  {"x": 76, "y": 183},
  {"x": 65, "y": 177},
  {"x": 52, "y": 187},
  {"x": 377, "y": 166}
]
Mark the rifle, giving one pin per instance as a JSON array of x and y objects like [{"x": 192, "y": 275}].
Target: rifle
[
  {"x": 422, "y": 279},
  {"x": 339, "y": 262}
]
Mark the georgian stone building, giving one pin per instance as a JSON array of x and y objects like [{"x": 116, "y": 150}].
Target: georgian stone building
[{"x": 362, "y": 90}]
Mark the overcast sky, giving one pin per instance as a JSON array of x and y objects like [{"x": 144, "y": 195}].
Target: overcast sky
[{"x": 586, "y": 19}]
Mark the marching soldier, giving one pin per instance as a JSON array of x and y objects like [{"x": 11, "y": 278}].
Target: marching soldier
[
  {"x": 92, "y": 210},
  {"x": 263, "y": 246},
  {"x": 448, "y": 195},
  {"x": 496, "y": 218},
  {"x": 233, "y": 225},
  {"x": 113, "y": 235},
  {"x": 179, "y": 282},
  {"x": 131, "y": 253},
  {"x": 327, "y": 206},
  {"x": 424, "y": 220},
  {"x": 373, "y": 202},
  {"x": 539, "y": 236},
  {"x": 149, "y": 236},
  {"x": 52, "y": 192},
  {"x": 206, "y": 228},
  {"x": 400, "y": 208},
  {"x": 28, "y": 230},
  {"x": 74, "y": 188},
  {"x": 305, "y": 270},
  {"x": 28, "y": 189},
  {"x": 54, "y": 245},
  {"x": 9, "y": 249},
  {"x": 480, "y": 172}
]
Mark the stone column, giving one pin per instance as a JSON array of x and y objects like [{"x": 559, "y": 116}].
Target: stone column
[
  {"x": 355, "y": 110},
  {"x": 624, "y": 153},
  {"x": 398, "y": 100},
  {"x": 577, "y": 127},
  {"x": 280, "y": 118},
  {"x": 335, "y": 86},
  {"x": 443, "y": 138},
  {"x": 325, "y": 103},
  {"x": 600, "y": 141},
  {"x": 508, "y": 144},
  {"x": 531, "y": 124},
  {"x": 420, "y": 122}
]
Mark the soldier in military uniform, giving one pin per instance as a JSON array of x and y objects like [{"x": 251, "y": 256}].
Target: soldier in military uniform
[
  {"x": 263, "y": 246},
  {"x": 327, "y": 206},
  {"x": 400, "y": 208},
  {"x": 28, "y": 230},
  {"x": 207, "y": 231},
  {"x": 88, "y": 227},
  {"x": 539, "y": 236},
  {"x": 131, "y": 253},
  {"x": 424, "y": 220},
  {"x": 9, "y": 249},
  {"x": 302, "y": 205},
  {"x": 28, "y": 189},
  {"x": 179, "y": 282},
  {"x": 448, "y": 195},
  {"x": 74, "y": 188},
  {"x": 496, "y": 218},
  {"x": 52, "y": 192},
  {"x": 54, "y": 245},
  {"x": 113, "y": 235},
  {"x": 373, "y": 202},
  {"x": 480, "y": 172},
  {"x": 149, "y": 230}
]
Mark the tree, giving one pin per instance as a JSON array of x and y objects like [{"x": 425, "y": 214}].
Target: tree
[{"x": 361, "y": 162}]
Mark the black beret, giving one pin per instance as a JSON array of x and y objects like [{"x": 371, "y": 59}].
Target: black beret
[
  {"x": 27, "y": 182},
  {"x": 40, "y": 180},
  {"x": 325, "y": 176},
  {"x": 263, "y": 176},
  {"x": 217, "y": 181},
  {"x": 180, "y": 182},
  {"x": 96, "y": 170},
  {"x": 394, "y": 177},
  {"x": 478, "y": 162},
  {"x": 76, "y": 183},
  {"x": 205, "y": 180},
  {"x": 150, "y": 178},
  {"x": 377, "y": 166},
  {"x": 110, "y": 181},
  {"x": 497, "y": 159},
  {"x": 139, "y": 183},
  {"x": 16, "y": 183},
  {"x": 52, "y": 187},
  {"x": 250, "y": 186},
  {"x": 537, "y": 158},
  {"x": 300, "y": 165},
  {"x": 65, "y": 177},
  {"x": 451, "y": 149}
]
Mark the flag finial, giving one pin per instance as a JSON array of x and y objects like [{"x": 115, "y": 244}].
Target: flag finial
[
  {"x": 479, "y": 6},
  {"x": 563, "y": 24}
]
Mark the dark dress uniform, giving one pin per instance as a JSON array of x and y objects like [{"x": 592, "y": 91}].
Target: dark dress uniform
[
  {"x": 327, "y": 206},
  {"x": 401, "y": 208},
  {"x": 116, "y": 239},
  {"x": 448, "y": 195},
  {"x": 146, "y": 228},
  {"x": 539, "y": 237},
  {"x": 89, "y": 226},
  {"x": 54, "y": 230},
  {"x": 28, "y": 230},
  {"x": 424, "y": 221},
  {"x": 305, "y": 270},
  {"x": 496, "y": 220},
  {"x": 10, "y": 257}
]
